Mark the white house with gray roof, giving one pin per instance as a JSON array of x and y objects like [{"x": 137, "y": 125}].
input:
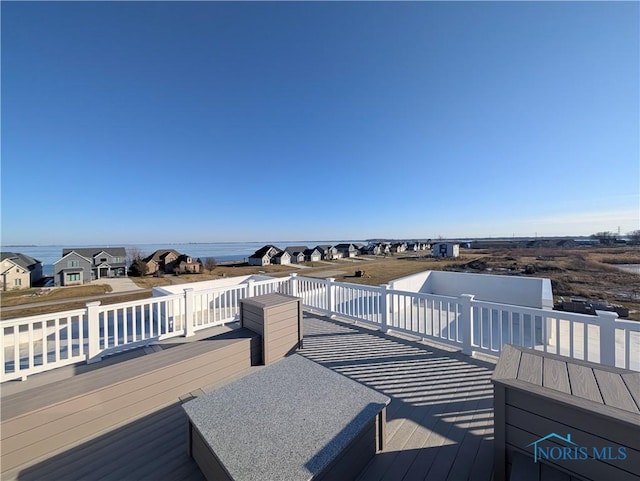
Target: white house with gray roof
[{"x": 296, "y": 253}]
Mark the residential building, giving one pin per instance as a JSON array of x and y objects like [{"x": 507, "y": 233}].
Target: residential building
[
  {"x": 445, "y": 249},
  {"x": 398, "y": 247},
  {"x": 19, "y": 271},
  {"x": 296, "y": 253},
  {"x": 262, "y": 257},
  {"x": 187, "y": 265},
  {"x": 347, "y": 250},
  {"x": 282, "y": 257},
  {"x": 162, "y": 260},
  {"x": 82, "y": 265},
  {"x": 329, "y": 252},
  {"x": 312, "y": 255}
]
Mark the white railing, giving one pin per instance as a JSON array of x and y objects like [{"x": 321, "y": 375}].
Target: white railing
[
  {"x": 39, "y": 343},
  {"x": 44, "y": 342}
]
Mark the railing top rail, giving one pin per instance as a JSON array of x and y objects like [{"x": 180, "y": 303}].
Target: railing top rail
[
  {"x": 422, "y": 295},
  {"x": 628, "y": 325},
  {"x": 534, "y": 311},
  {"x": 268, "y": 282},
  {"x": 139, "y": 302},
  {"x": 41, "y": 317},
  {"x": 215, "y": 290},
  {"x": 311, "y": 279},
  {"x": 353, "y": 285}
]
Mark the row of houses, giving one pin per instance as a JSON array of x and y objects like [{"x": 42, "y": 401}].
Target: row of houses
[
  {"x": 82, "y": 265},
  {"x": 79, "y": 266},
  {"x": 271, "y": 254}
]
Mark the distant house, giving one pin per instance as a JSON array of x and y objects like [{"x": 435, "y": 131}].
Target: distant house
[
  {"x": 282, "y": 257},
  {"x": 398, "y": 247},
  {"x": 19, "y": 271},
  {"x": 187, "y": 265},
  {"x": 296, "y": 253},
  {"x": 262, "y": 257},
  {"x": 163, "y": 260},
  {"x": 329, "y": 252},
  {"x": 312, "y": 255},
  {"x": 82, "y": 265},
  {"x": 445, "y": 249},
  {"x": 347, "y": 250}
]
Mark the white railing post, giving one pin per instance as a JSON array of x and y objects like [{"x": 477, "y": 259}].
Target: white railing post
[
  {"x": 465, "y": 322},
  {"x": 189, "y": 328},
  {"x": 93, "y": 332},
  {"x": 384, "y": 310},
  {"x": 251, "y": 289},
  {"x": 329, "y": 286},
  {"x": 607, "y": 323},
  {"x": 294, "y": 284}
]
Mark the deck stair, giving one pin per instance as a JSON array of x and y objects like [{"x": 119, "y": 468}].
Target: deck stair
[{"x": 46, "y": 420}]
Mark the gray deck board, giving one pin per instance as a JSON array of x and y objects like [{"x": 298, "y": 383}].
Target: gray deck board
[
  {"x": 555, "y": 375},
  {"x": 632, "y": 380},
  {"x": 530, "y": 369},
  {"x": 614, "y": 391},
  {"x": 440, "y": 416},
  {"x": 583, "y": 383}
]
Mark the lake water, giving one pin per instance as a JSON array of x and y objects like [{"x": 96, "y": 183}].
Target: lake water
[{"x": 222, "y": 251}]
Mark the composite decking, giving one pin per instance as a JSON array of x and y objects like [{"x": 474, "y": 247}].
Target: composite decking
[{"x": 439, "y": 422}]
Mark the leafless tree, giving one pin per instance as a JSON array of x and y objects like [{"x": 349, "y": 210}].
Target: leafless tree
[{"x": 210, "y": 264}]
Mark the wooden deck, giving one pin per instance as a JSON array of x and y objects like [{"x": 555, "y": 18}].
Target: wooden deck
[{"x": 439, "y": 422}]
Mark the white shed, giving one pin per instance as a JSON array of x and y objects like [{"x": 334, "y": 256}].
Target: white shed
[{"x": 445, "y": 249}]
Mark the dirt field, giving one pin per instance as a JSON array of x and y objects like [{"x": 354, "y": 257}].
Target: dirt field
[{"x": 588, "y": 272}]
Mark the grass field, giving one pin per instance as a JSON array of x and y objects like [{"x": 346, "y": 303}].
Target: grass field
[
  {"x": 26, "y": 296},
  {"x": 588, "y": 272}
]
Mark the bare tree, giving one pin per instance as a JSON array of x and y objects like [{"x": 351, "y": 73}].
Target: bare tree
[
  {"x": 137, "y": 267},
  {"x": 134, "y": 253},
  {"x": 634, "y": 236},
  {"x": 210, "y": 264}
]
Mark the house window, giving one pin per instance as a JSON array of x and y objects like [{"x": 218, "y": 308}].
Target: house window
[
  {"x": 73, "y": 277},
  {"x": 17, "y": 282},
  {"x": 72, "y": 263},
  {"x": 104, "y": 259}
]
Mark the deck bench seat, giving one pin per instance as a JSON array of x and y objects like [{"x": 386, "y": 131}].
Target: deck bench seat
[
  {"x": 43, "y": 421},
  {"x": 577, "y": 417},
  {"x": 293, "y": 420}
]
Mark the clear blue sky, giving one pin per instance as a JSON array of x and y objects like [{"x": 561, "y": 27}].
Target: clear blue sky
[{"x": 200, "y": 122}]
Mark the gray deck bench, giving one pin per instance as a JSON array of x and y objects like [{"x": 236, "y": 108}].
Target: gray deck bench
[
  {"x": 571, "y": 415},
  {"x": 48, "y": 419},
  {"x": 293, "y": 420}
]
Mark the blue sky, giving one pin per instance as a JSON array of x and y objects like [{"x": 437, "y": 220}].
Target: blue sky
[{"x": 210, "y": 121}]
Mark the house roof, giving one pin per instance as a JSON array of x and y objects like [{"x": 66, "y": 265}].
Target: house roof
[
  {"x": 263, "y": 251},
  {"x": 296, "y": 249},
  {"x": 22, "y": 260},
  {"x": 308, "y": 252},
  {"x": 343, "y": 246},
  {"x": 160, "y": 254},
  {"x": 282, "y": 254},
  {"x": 92, "y": 251},
  {"x": 185, "y": 257}
]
